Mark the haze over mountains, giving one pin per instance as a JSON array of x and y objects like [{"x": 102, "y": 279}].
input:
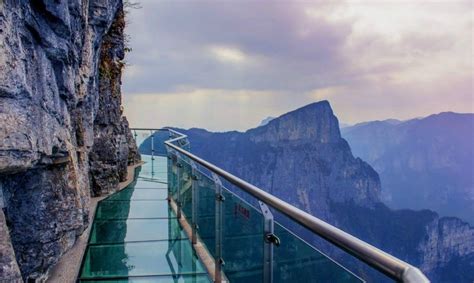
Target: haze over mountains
[
  {"x": 302, "y": 158},
  {"x": 422, "y": 163}
]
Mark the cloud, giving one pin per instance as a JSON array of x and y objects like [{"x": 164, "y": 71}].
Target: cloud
[
  {"x": 292, "y": 52},
  {"x": 215, "y": 109},
  {"x": 228, "y": 54},
  {"x": 370, "y": 59}
]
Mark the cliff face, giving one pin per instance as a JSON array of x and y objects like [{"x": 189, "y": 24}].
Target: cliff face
[
  {"x": 63, "y": 137},
  {"x": 307, "y": 142},
  {"x": 112, "y": 137},
  {"x": 301, "y": 158}
]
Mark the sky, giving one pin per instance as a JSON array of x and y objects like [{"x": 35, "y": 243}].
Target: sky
[{"x": 227, "y": 65}]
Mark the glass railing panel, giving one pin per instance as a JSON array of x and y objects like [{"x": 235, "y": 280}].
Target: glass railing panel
[
  {"x": 186, "y": 189},
  {"x": 206, "y": 211},
  {"x": 140, "y": 137},
  {"x": 242, "y": 248},
  {"x": 295, "y": 260},
  {"x": 151, "y": 142},
  {"x": 152, "y": 149},
  {"x": 154, "y": 168},
  {"x": 172, "y": 177}
]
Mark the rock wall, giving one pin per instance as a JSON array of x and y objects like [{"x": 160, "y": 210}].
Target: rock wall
[
  {"x": 448, "y": 250},
  {"x": 63, "y": 137},
  {"x": 9, "y": 271},
  {"x": 109, "y": 153}
]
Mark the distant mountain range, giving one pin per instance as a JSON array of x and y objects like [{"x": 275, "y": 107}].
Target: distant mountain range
[
  {"x": 302, "y": 158},
  {"x": 422, "y": 163}
]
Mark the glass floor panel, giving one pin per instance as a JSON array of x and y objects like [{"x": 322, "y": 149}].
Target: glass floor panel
[
  {"x": 133, "y": 209},
  {"x": 157, "y": 176},
  {"x": 133, "y": 230},
  {"x": 139, "y": 194},
  {"x": 179, "y": 278},
  {"x": 142, "y": 184},
  {"x": 141, "y": 259}
]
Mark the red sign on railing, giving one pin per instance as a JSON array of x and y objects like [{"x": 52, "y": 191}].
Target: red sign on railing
[{"x": 242, "y": 211}]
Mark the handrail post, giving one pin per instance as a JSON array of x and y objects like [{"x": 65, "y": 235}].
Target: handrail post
[
  {"x": 218, "y": 228},
  {"x": 195, "y": 201},
  {"x": 171, "y": 169},
  {"x": 179, "y": 185},
  {"x": 268, "y": 240},
  {"x": 152, "y": 167},
  {"x": 152, "y": 147}
]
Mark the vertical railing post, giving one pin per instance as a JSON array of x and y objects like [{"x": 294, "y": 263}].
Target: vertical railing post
[
  {"x": 152, "y": 145},
  {"x": 179, "y": 165},
  {"x": 187, "y": 145},
  {"x": 171, "y": 169},
  {"x": 195, "y": 201},
  {"x": 152, "y": 168},
  {"x": 135, "y": 135},
  {"x": 269, "y": 239},
  {"x": 219, "y": 219}
]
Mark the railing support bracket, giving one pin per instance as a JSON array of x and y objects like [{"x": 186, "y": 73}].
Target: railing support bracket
[
  {"x": 195, "y": 201},
  {"x": 269, "y": 239},
  {"x": 219, "y": 219}
]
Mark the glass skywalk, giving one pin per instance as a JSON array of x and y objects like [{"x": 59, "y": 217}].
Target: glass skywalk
[{"x": 136, "y": 237}]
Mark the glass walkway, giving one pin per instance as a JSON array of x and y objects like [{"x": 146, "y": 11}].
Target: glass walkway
[
  {"x": 136, "y": 237},
  {"x": 185, "y": 220}
]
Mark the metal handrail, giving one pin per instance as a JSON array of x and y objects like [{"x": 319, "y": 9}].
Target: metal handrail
[
  {"x": 149, "y": 129},
  {"x": 380, "y": 260}
]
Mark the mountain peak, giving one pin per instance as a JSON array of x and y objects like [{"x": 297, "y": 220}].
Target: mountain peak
[
  {"x": 266, "y": 121},
  {"x": 313, "y": 122},
  {"x": 449, "y": 116}
]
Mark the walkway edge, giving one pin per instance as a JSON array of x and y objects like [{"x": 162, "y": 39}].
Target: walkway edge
[{"x": 201, "y": 251}]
